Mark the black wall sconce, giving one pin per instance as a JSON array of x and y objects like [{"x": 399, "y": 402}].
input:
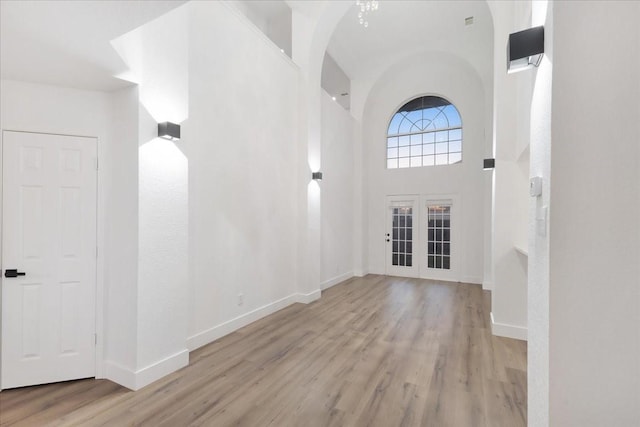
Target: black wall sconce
[
  {"x": 316, "y": 176},
  {"x": 168, "y": 130},
  {"x": 489, "y": 164},
  {"x": 525, "y": 49}
]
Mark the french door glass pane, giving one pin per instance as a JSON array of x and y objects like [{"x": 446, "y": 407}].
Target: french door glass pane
[
  {"x": 439, "y": 237},
  {"x": 402, "y": 233}
]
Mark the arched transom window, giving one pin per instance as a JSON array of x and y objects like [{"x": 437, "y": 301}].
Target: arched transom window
[{"x": 426, "y": 131}]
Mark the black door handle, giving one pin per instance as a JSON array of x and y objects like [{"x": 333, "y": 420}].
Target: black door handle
[{"x": 13, "y": 273}]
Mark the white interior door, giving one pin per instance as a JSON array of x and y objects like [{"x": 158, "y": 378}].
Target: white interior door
[
  {"x": 49, "y": 234},
  {"x": 402, "y": 237}
]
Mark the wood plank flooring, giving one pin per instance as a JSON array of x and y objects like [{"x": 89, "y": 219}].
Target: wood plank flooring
[{"x": 374, "y": 351}]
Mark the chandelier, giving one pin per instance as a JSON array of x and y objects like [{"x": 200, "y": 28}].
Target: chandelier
[{"x": 364, "y": 8}]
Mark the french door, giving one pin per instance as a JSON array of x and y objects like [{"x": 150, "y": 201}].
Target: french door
[
  {"x": 48, "y": 258},
  {"x": 422, "y": 237},
  {"x": 401, "y": 236}
]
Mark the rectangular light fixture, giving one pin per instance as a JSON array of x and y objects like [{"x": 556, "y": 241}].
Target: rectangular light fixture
[
  {"x": 525, "y": 49},
  {"x": 168, "y": 130},
  {"x": 316, "y": 176},
  {"x": 489, "y": 164}
]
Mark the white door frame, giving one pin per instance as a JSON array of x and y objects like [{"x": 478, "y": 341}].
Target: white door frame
[{"x": 100, "y": 240}]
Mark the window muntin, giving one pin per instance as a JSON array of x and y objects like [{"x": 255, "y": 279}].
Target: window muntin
[
  {"x": 402, "y": 238},
  {"x": 439, "y": 237},
  {"x": 426, "y": 131}
]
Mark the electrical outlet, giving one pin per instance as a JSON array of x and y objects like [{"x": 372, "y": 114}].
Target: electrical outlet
[{"x": 240, "y": 299}]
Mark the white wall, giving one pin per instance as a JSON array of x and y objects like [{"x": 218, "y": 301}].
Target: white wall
[
  {"x": 243, "y": 96},
  {"x": 512, "y": 100},
  {"x": 158, "y": 61},
  {"x": 594, "y": 253},
  {"x": 271, "y": 17},
  {"x": 538, "y": 246},
  {"x": 444, "y": 75},
  {"x": 335, "y": 82},
  {"x": 122, "y": 272},
  {"x": 337, "y": 193}
]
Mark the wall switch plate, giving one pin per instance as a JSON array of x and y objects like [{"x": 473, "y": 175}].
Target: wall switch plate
[{"x": 535, "y": 186}]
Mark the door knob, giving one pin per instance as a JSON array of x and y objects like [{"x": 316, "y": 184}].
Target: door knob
[{"x": 13, "y": 273}]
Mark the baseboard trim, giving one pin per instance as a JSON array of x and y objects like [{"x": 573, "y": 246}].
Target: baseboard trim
[
  {"x": 120, "y": 375},
  {"x": 508, "y": 331},
  {"x": 310, "y": 297},
  {"x": 210, "y": 335},
  {"x": 487, "y": 285},
  {"x": 145, "y": 376},
  {"x": 472, "y": 280},
  {"x": 360, "y": 273},
  {"x": 334, "y": 281},
  {"x": 166, "y": 366}
]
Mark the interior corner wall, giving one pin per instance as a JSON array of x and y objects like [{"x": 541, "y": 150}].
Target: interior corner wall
[
  {"x": 337, "y": 193},
  {"x": 512, "y": 99},
  {"x": 243, "y": 173},
  {"x": 594, "y": 273},
  {"x": 438, "y": 74}
]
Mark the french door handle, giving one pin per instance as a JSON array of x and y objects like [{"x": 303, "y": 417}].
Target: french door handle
[{"x": 13, "y": 273}]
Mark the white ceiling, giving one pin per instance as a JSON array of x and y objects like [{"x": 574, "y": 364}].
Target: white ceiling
[
  {"x": 67, "y": 43},
  {"x": 401, "y": 28},
  {"x": 268, "y": 9}
]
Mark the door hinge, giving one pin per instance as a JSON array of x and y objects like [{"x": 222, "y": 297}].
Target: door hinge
[
  {"x": 97, "y": 166},
  {"x": 95, "y": 339}
]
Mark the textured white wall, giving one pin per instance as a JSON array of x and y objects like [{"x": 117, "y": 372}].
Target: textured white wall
[
  {"x": 242, "y": 129},
  {"x": 158, "y": 61},
  {"x": 447, "y": 76},
  {"x": 594, "y": 253},
  {"x": 538, "y": 246},
  {"x": 337, "y": 188},
  {"x": 163, "y": 191}
]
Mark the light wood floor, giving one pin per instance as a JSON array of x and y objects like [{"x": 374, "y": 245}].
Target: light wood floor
[{"x": 374, "y": 351}]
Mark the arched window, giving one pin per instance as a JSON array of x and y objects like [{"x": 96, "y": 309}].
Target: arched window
[{"x": 426, "y": 131}]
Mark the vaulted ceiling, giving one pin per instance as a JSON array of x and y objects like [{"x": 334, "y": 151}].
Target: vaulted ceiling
[
  {"x": 399, "y": 29},
  {"x": 67, "y": 43}
]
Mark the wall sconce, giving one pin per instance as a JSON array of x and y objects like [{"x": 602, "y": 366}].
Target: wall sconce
[
  {"x": 317, "y": 176},
  {"x": 489, "y": 164},
  {"x": 525, "y": 49},
  {"x": 168, "y": 130}
]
